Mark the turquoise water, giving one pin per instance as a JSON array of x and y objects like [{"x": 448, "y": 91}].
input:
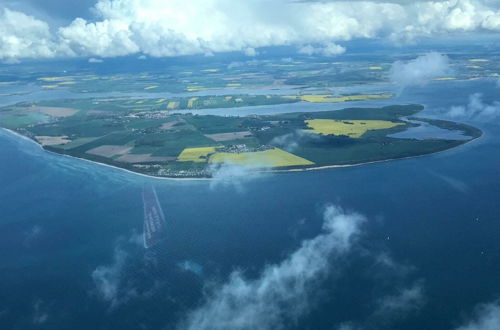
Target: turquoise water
[{"x": 63, "y": 220}]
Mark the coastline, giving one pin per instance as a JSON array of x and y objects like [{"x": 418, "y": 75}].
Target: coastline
[{"x": 318, "y": 168}]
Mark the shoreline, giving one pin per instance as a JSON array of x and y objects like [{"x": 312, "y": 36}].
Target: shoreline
[{"x": 318, "y": 168}]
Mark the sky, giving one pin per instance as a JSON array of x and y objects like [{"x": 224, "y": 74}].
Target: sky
[{"x": 36, "y": 29}]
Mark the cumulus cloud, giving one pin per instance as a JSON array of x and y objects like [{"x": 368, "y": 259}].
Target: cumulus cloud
[
  {"x": 419, "y": 70},
  {"x": 476, "y": 109},
  {"x": 487, "y": 317},
  {"x": 281, "y": 291},
  {"x": 178, "y": 27},
  {"x": 24, "y": 36}
]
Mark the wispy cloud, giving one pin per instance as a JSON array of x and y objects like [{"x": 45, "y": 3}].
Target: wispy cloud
[
  {"x": 403, "y": 302},
  {"x": 112, "y": 283},
  {"x": 452, "y": 182},
  {"x": 476, "y": 109},
  {"x": 107, "y": 278},
  {"x": 487, "y": 317},
  {"x": 291, "y": 141},
  {"x": 420, "y": 70},
  {"x": 281, "y": 291},
  {"x": 235, "y": 176},
  {"x": 40, "y": 315}
]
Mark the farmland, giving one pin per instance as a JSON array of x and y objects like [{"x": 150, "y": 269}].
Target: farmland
[{"x": 161, "y": 142}]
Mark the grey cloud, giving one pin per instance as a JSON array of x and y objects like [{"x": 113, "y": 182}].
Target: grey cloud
[{"x": 282, "y": 291}]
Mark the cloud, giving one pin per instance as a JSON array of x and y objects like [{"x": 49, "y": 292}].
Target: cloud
[
  {"x": 233, "y": 175},
  {"x": 291, "y": 141},
  {"x": 24, "y": 36},
  {"x": 476, "y": 109},
  {"x": 191, "y": 266},
  {"x": 420, "y": 70},
  {"x": 281, "y": 291},
  {"x": 40, "y": 315},
  {"x": 95, "y": 60},
  {"x": 111, "y": 281},
  {"x": 177, "y": 27},
  {"x": 31, "y": 236},
  {"x": 403, "y": 302},
  {"x": 328, "y": 49},
  {"x": 487, "y": 317},
  {"x": 108, "y": 278}
]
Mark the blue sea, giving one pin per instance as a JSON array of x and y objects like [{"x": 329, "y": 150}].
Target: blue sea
[{"x": 71, "y": 255}]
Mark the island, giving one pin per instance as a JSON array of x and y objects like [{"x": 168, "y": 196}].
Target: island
[{"x": 160, "y": 142}]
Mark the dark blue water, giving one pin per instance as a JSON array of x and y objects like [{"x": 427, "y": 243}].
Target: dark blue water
[{"x": 61, "y": 219}]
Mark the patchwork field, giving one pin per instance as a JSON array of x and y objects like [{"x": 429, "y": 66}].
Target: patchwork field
[{"x": 142, "y": 135}]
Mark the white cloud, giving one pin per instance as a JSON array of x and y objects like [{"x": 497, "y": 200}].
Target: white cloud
[
  {"x": 291, "y": 141},
  {"x": 487, "y": 318},
  {"x": 178, "y": 27},
  {"x": 281, "y": 290},
  {"x": 23, "y": 36},
  {"x": 250, "y": 52},
  {"x": 108, "y": 278},
  {"x": 328, "y": 49},
  {"x": 476, "y": 109},
  {"x": 40, "y": 315},
  {"x": 233, "y": 175},
  {"x": 404, "y": 301},
  {"x": 95, "y": 60},
  {"x": 420, "y": 70}
]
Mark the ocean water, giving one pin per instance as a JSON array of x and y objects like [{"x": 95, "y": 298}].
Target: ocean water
[{"x": 71, "y": 255}]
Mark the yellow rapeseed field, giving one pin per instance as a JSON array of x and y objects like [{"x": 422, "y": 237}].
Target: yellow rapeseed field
[
  {"x": 351, "y": 128},
  {"x": 191, "y": 102},
  {"x": 172, "y": 105},
  {"x": 197, "y": 155},
  {"x": 268, "y": 158}
]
